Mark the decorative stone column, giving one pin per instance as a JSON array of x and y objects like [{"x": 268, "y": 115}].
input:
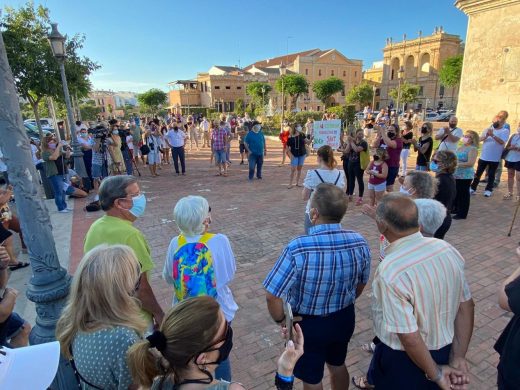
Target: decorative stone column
[{"x": 491, "y": 71}]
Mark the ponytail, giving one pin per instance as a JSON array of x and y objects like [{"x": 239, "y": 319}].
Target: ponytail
[
  {"x": 144, "y": 366},
  {"x": 327, "y": 156}
]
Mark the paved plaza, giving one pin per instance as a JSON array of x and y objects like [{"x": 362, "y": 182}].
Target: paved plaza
[{"x": 260, "y": 217}]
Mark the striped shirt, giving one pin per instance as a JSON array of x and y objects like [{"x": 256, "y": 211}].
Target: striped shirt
[
  {"x": 418, "y": 287},
  {"x": 319, "y": 272}
]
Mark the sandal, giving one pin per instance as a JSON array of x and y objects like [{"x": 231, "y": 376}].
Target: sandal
[
  {"x": 18, "y": 265},
  {"x": 361, "y": 382},
  {"x": 368, "y": 347},
  {"x": 508, "y": 196},
  {"x": 289, "y": 187}
]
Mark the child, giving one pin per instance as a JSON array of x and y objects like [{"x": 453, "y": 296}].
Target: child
[{"x": 378, "y": 171}]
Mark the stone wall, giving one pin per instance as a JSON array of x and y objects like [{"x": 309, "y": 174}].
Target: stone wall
[{"x": 491, "y": 71}]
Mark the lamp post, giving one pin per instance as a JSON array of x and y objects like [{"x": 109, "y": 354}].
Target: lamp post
[
  {"x": 57, "y": 42},
  {"x": 263, "y": 100},
  {"x": 374, "y": 89},
  {"x": 283, "y": 71},
  {"x": 399, "y": 76}
]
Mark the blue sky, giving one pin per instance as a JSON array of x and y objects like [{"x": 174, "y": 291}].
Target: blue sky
[{"x": 145, "y": 44}]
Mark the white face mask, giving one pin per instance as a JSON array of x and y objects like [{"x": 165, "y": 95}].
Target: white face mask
[{"x": 403, "y": 190}]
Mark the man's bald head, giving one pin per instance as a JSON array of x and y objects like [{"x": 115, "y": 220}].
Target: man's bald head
[{"x": 399, "y": 213}]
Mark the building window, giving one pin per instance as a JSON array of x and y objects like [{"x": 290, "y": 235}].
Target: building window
[
  {"x": 239, "y": 87},
  {"x": 344, "y": 73},
  {"x": 304, "y": 108},
  {"x": 332, "y": 73},
  {"x": 421, "y": 91},
  {"x": 228, "y": 87},
  {"x": 216, "y": 87},
  {"x": 319, "y": 72},
  {"x": 355, "y": 73},
  {"x": 343, "y": 92},
  {"x": 318, "y": 108},
  {"x": 378, "y": 92},
  {"x": 306, "y": 72}
]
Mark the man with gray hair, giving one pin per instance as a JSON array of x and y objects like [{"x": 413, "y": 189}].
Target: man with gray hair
[
  {"x": 431, "y": 215},
  {"x": 422, "y": 306},
  {"x": 121, "y": 199}
]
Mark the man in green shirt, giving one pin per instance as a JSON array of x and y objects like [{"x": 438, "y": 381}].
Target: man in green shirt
[{"x": 123, "y": 202}]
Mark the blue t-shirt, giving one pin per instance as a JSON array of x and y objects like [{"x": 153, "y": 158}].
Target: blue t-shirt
[{"x": 255, "y": 142}]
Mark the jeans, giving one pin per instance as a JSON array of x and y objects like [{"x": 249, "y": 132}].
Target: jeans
[
  {"x": 178, "y": 154},
  {"x": 481, "y": 167},
  {"x": 463, "y": 197},
  {"x": 355, "y": 172},
  {"x": 223, "y": 371},
  {"x": 128, "y": 162},
  {"x": 255, "y": 160},
  {"x": 59, "y": 192}
]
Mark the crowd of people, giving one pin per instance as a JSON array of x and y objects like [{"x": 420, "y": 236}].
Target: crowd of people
[{"x": 116, "y": 334}]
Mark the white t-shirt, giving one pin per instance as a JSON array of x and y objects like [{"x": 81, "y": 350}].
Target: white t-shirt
[
  {"x": 176, "y": 138},
  {"x": 514, "y": 155},
  {"x": 223, "y": 265},
  {"x": 312, "y": 180},
  {"x": 448, "y": 145},
  {"x": 130, "y": 142},
  {"x": 204, "y": 126},
  {"x": 491, "y": 149}
]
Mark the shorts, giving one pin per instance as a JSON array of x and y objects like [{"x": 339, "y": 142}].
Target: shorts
[
  {"x": 297, "y": 161},
  {"x": 98, "y": 171},
  {"x": 422, "y": 168},
  {"x": 70, "y": 190},
  {"x": 220, "y": 156},
  {"x": 326, "y": 341},
  {"x": 393, "y": 172},
  {"x": 242, "y": 148},
  {"x": 377, "y": 187},
  {"x": 512, "y": 165},
  {"x": 10, "y": 328},
  {"x": 4, "y": 233}
]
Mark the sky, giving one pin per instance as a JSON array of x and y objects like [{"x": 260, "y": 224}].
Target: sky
[{"x": 146, "y": 44}]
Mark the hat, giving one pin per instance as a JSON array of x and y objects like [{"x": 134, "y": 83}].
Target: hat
[
  {"x": 253, "y": 123},
  {"x": 29, "y": 368}
]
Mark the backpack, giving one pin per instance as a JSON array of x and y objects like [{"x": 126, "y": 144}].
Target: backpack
[
  {"x": 364, "y": 159},
  {"x": 193, "y": 273}
]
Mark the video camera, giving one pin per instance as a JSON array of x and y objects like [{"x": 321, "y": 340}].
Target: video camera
[{"x": 100, "y": 132}]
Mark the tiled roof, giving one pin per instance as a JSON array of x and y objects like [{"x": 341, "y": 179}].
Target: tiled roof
[{"x": 286, "y": 59}]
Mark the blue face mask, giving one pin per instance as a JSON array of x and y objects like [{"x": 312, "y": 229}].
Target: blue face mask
[
  {"x": 138, "y": 206},
  {"x": 434, "y": 167}
]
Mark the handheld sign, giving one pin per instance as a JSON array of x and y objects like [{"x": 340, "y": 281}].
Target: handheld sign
[{"x": 327, "y": 133}]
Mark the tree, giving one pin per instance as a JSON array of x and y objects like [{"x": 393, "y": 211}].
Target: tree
[
  {"x": 409, "y": 93},
  {"x": 259, "y": 91},
  {"x": 360, "y": 94},
  {"x": 293, "y": 85},
  {"x": 324, "y": 89},
  {"x": 239, "y": 107},
  {"x": 89, "y": 111},
  {"x": 451, "y": 70},
  {"x": 152, "y": 99},
  {"x": 36, "y": 71}
]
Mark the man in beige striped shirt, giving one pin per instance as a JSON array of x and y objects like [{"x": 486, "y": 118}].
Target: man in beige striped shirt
[{"x": 422, "y": 306}]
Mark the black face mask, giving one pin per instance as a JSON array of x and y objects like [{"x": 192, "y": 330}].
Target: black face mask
[
  {"x": 391, "y": 134},
  {"x": 496, "y": 124},
  {"x": 370, "y": 126},
  {"x": 376, "y": 158},
  {"x": 175, "y": 128},
  {"x": 225, "y": 349},
  {"x": 453, "y": 125},
  {"x": 424, "y": 130}
]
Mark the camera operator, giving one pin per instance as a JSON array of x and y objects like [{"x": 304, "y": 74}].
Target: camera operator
[
  {"x": 113, "y": 142},
  {"x": 99, "y": 162},
  {"x": 125, "y": 150}
]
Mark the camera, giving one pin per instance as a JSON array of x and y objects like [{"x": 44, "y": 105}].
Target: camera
[{"x": 100, "y": 132}]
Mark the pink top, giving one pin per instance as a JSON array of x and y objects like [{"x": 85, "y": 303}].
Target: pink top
[{"x": 379, "y": 168}]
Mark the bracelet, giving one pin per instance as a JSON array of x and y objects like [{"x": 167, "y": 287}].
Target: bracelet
[
  {"x": 285, "y": 378},
  {"x": 437, "y": 378}
]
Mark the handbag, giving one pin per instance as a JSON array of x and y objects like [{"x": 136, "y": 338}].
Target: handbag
[
  {"x": 364, "y": 159},
  {"x": 144, "y": 149}
]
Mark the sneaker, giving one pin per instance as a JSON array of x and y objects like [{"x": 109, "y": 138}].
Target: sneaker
[
  {"x": 472, "y": 191},
  {"x": 69, "y": 208},
  {"x": 487, "y": 194},
  {"x": 64, "y": 211}
]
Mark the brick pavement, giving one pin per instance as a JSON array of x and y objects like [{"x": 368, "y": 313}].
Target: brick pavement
[{"x": 260, "y": 217}]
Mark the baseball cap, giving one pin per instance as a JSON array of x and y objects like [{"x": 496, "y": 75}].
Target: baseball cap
[{"x": 29, "y": 368}]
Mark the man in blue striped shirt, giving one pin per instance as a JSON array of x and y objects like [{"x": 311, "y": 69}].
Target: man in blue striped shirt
[{"x": 321, "y": 275}]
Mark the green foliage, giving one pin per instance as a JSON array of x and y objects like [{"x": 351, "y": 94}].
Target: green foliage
[
  {"x": 152, "y": 99},
  {"x": 293, "y": 85},
  {"x": 409, "y": 93},
  {"x": 240, "y": 107},
  {"x": 254, "y": 90},
  {"x": 89, "y": 111},
  {"x": 350, "y": 114},
  {"x": 360, "y": 94},
  {"x": 451, "y": 70},
  {"x": 324, "y": 89},
  {"x": 292, "y": 118},
  {"x": 340, "y": 111}
]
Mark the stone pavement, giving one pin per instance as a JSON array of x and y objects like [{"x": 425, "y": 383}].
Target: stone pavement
[{"x": 260, "y": 217}]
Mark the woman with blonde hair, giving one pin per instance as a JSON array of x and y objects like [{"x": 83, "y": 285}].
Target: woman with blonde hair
[
  {"x": 193, "y": 339},
  {"x": 467, "y": 156},
  {"x": 325, "y": 173},
  {"x": 102, "y": 318}
]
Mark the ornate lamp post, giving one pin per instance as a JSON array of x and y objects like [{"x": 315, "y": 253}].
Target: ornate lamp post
[
  {"x": 374, "y": 89},
  {"x": 57, "y": 42},
  {"x": 283, "y": 71},
  {"x": 400, "y": 74}
]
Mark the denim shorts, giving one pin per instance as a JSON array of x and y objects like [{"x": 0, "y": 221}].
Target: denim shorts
[
  {"x": 422, "y": 168},
  {"x": 297, "y": 161},
  {"x": 98, "y": 171},
  {"x": 377, "y": 187},
  {"x": 10, "y": 328},
  {"x": 220, "y": 156}
]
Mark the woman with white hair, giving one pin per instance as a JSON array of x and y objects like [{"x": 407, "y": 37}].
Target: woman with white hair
[
  {"x": 201, "y": 263},
  {"x": 431, "y": 215},
  {"x": 102, "y": 318}
]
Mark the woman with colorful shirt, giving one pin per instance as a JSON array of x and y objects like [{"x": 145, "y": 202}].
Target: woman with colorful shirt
[
  {"x": 201, "y": 263},
  {"x": 465, "y": 172}
]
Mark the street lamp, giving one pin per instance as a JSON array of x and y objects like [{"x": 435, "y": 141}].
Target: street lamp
[
  {"x": 283, "y": 71},
  {"x": 374, "y": 89},
  {"x": 263, "y": 100},
  {"x": 57, "y": 42},
  {"x": 400, "y": 74}
]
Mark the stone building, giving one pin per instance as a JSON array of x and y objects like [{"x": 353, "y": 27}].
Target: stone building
[
  {"x": 491, "y": 70},
  {"x": 374, "y": 77},
  {"x": 106, "y": 101},
  {"x": 418, "y": 61}
]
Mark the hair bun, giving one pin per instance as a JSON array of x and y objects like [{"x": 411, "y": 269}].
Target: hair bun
[{"x": 157, "y": 340}]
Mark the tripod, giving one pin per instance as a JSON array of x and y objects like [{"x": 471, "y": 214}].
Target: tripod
[{"x": 135, "y": 167}]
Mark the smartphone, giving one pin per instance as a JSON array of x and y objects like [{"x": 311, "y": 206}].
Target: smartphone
[{"x": 287, "y": 309}]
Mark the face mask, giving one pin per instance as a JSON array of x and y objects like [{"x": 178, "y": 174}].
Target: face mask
[
  {"x": 390, "y": 134},
  {"x": 175, "y": 128},
  {"x": 453, "y": 125},
  {"x": 376, "y": 158},
  {"x": 434, "y": 167},
  {"x": 256, "y": 128},
  {"x": 225, "y": 349},
  {"x": 403, "y": 190},
  {"x": 52, "y": 146},
  {"x": 138, "y": 206},
  {"x": 83, "y": 135},
  {"x": 115, "y": 132},
  {"x": 466, "y": 140},
  {"x": 424, "y": 131},
  {"x": 299, "y": 128},
  {"x": 496, "y": 124}
]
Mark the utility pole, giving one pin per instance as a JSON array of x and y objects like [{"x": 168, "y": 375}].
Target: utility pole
[{"x": 50, "y": 283}]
